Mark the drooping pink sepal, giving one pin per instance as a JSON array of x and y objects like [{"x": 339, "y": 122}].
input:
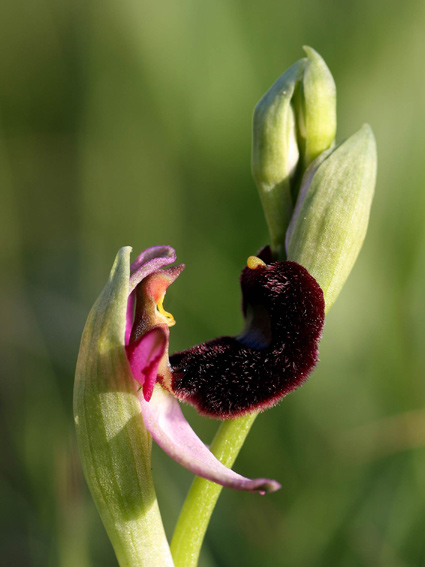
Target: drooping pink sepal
[{"x": 169, "y": 428}]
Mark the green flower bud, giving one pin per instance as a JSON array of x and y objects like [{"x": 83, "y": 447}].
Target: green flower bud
[
  {"x": 114, "y": 445},
  {"x": 332, "y": 212},
  {"x": 316, "y": 108},
  {"x": 275, "y": 153}
]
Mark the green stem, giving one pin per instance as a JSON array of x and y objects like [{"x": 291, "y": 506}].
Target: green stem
[{"x": 203, "y": 494}]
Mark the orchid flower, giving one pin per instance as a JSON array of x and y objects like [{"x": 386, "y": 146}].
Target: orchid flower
[
  {"x": 230, "y": 376},
  {"x": 146, "y": 339},
  {"x": 124, "y": 345}
]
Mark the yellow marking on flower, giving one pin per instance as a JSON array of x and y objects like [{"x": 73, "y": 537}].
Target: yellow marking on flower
[
  {"x": 253, "y": 262},
  {"x": 170, "y": 319}
]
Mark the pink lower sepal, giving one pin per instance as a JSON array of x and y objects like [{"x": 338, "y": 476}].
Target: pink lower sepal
[{"x": 169, "y": 428}]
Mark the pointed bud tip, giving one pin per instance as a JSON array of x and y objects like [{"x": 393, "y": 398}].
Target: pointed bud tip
[
  {"x": 310, "y": 52},
  {"x": 123, "y": 253},
  {"x": 314, "y": 56},
  {"x": 366, "y": 130},
  {"x": 364, "y": 140}
]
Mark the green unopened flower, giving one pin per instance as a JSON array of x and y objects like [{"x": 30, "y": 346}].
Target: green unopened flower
[
  {"x": 275, "y": 153},
  {"x": 316, "y": 108},
  {"x": 332, "y": 212},
  {"x": 294, "y": 122}
]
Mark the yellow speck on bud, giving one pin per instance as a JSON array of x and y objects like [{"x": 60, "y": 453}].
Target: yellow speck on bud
[
  {"x": 170, "y": 319},
  {"x": 253, "y": 262}
]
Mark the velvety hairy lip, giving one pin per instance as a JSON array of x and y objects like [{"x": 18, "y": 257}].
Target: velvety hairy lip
[{"x": 228, "y": 377}]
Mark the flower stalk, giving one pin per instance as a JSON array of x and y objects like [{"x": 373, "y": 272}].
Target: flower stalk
[{"x": 203, "y": 495}]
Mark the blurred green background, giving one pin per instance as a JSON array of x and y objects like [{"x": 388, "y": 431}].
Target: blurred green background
[{"x": 129, "y": 123}]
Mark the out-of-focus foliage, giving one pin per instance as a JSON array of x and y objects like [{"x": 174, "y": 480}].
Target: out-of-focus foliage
[{"x": 130, "y": 123}]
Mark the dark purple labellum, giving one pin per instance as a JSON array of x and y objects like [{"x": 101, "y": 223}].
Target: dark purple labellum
[{"x": 228, "y": 377}]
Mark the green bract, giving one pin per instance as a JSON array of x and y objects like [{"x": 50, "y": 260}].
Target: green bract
[
  {"x": 332, "y": 212},
  {"x": 114, "y": 446}
]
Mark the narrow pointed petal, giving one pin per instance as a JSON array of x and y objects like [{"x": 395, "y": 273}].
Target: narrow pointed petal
[
  {"x": 166, "y": 423},
  {"x": 150, "y": 261},
  {"x": 144, "y": 356},
  {"x": 130, "y": 317}
]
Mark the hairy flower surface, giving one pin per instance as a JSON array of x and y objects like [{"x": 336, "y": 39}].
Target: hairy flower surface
[
  {"x": 146, "y": 345},
  {"x": 227, "y": 377}
]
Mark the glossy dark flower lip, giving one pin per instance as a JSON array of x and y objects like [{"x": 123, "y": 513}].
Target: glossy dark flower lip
[{"x": 228, "y": 377}]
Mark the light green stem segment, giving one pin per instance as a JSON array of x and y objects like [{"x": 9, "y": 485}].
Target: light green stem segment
[
  {"x": 203, "y": 494},
  {"x": 114, "y": 445}
]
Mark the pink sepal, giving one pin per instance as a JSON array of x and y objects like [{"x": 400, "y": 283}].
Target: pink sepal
[{"x": 166, "y": 423}]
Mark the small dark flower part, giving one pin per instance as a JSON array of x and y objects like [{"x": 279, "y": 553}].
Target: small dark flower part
[{"x": 284, "y": 312}]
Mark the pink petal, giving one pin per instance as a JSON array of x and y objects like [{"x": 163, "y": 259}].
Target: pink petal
[
  {"x": 169, "y": 428},
  {"x": 130, "y": 317},
  {"x": 144, "y": 356},
  {"x": 150, "y": 261}
]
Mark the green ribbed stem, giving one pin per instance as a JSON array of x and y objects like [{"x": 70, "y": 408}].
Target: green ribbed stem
[{"x": 203, "y": 494}]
